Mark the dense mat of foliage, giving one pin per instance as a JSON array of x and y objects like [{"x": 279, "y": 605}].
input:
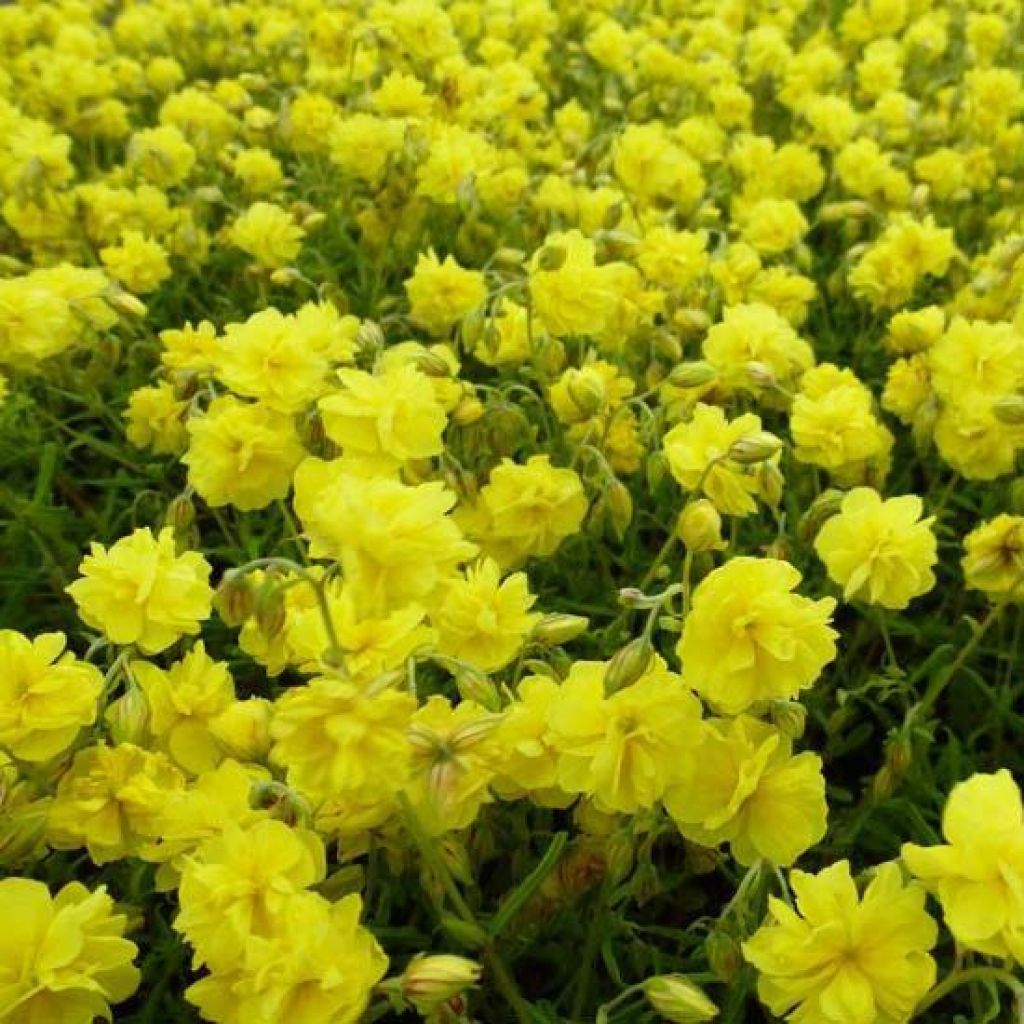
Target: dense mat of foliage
[{"x": 510, "y": 511}]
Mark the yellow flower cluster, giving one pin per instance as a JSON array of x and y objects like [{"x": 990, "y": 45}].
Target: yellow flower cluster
[{"x": 497, "y": 478}]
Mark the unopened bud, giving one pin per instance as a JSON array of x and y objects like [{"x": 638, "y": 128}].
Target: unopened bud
[
  {"x": 1009, "y": 409},
  {"x": 761, "y": 375},
  {"x": 618, "y": 504},
  {"x": 508, "y": 257},
  {"x": 586, "y": 392},
  {"x": 899, "y": 753},
  {"x": 855, "y": 209},
  {"x": 235, "y": 599},
  {"x": 919, "y": 198},
  {"x": 284, "y": 277},
  {"x": 826, "y": 505},
  {"x": 679, "y": 1000},
  {"x": 280, "y": 802},
  {"x": 475, "y": 686},
  {"x": 612, "y": 216},
  {"x": 693, "y": 321},
  {"x": 699, "y": 526},
  {"x": 725, "y": 958},
  {"x": 755, "y": 448},
  {"x": 369, "y": 336},
  {"x": 556, "y": 628},
  {"x": 923, "y": 428},
  {"x": 627, "y": 665},
  {"x": 243, "y": 729},
  {"x": 429, "y": 981},
  {"x": 313, "y": 220},
  {"x": 884, "y": 783},
  {"x": 123, "y": 302},
  {"x": 789, "y": 717},
  {"x": 468, "y": 411},
  {"x": 181, "y": 512},
  {"x": 127, "y": 717},
  {"x": 551, "y": 258},
  {"x": 692, "y": 375},
  {"x": 432, "y": 364},
  {"x": 270, "y": 610}
]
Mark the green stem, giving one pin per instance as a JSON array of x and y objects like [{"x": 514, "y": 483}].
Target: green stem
[
  {"x": 687, "y": 572},
  {"x": 966, "y": 977},
  {"x": 503, "y": 979},
  {"x": 942, "y": 679}
]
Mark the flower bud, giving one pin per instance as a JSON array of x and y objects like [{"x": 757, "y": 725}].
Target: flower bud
[
  {"x": 693, "y": 321},
  {"x": 282, "y": 803},
  {"x": 826, "y": 505},
  {"x": 432, "y": 364},
  {"x": 284, "y": 277},
  {"x": 243, "y": 729},
  {"x": 181, "y": 512},
  {"x": 855, "y": 209},
  {"x": 679, "y": 1000},
  {"x": 123, "y": 302},
  {"x": 789, "y": 717},
  {"x": 270, "y": 611},
  {"x": 1009, "y": 410},
  {"x": 761, "y": 375},
  {"x": 369, "y": 336},
  {"x": 699, "y": 526},
  {"x": 627, "y": 665},
  {"x": 618, "y": 503},
  {"x": 429, "y": 981},
  {"x": 557, "y": 628},
  {"x": 468, "y": 411},
  {"x": 235, "y": 599},
  {"x": 884, "y": 783},
  {"x": 692, "y": 375},
  {"x": 754, "y": 448},
  {"x": 899, "y": 753},
  {"x": 127, "y": 717},
  {"x": 725, "y": 958},
  {"x": 586, "y": 392},
  {"x": 475, "y": 686},
  {"x": 508, "y": 257}
]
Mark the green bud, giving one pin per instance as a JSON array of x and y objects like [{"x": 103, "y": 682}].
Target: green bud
[
  {"x": 181, "y": 512},
  {"x": 627, "y": 665},
  {"x": 692, "y": 375},
  {"x": 1009, "y": 410},
  {"x": 429, "y": 981},
  {"x": 557, "y": 628},
  {"x": 725, "y": 958},
  {"x": 699, "y": 526},
  {"x": 826, "y": 505},
  {"x": 754, "y": 448},
  {"x": 679, "y": 1000},
  {"x": 789, "y": 717},
  {"x": 551, "y": 258},
  {"x": 235, "y": 599}
]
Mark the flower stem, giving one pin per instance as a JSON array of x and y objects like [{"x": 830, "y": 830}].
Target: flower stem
[{"x": 966, "y": 977}]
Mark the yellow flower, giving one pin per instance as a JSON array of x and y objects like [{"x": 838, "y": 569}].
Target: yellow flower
[
  {"x": 318, "y": 965},
  {"x": 155, "y": 417},
  {"x": 454, "y": 760},
  {"x": 332, "y": 736},
  {"x": 264, "y": 358},
  {"x": 625, "y": 749},
  {"x": 844, "y": 960},
  {"x": 749, "y": 638},
  {"x": 975, "y": 360},
  {"x": 755, "y": 335},
  {"x": 526, "y": 510},
  {"x": 771, "y": 226},
  {"x": 139, "y": 591},
  {"x": 993, "y": 559},
  {"x": 45, "y": 696},
  {"x": 394, "y": 415},
  {"x": 879, "y": 551},
  {"x": 396, "y": 543},
  {"x": 442, "y": 293},
  {"x": 268, "y": 234},
  {"x": 239, "y": 885},
  {"x": 111, "y": 800},
  {"x": 182, "y": 701},
  {"x": 748, "y": 789},
  {"x": 138, "y": 262},
  {"x": 64, "y": 959},
  {"x": 698, "y": 458},
  {"x": 975, "y": 874},
  {"x": 241, "y": 454},
  {"x": 482, "y": 619},
  {"x": 189, "y": 348}
]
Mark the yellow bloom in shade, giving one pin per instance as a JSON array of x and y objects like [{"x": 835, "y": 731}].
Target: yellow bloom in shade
[
  {"x": 241, "y": 454},
  {"x": 625, "y": 749},
  {"x": 993, "y": 559},
  {"x": 320, "y": 964},
  {"x": 138, "y": 262},
  {"x": 976, "y": 874},
  {"x": 749, "y": 638},
  {"x": 154, "y": 418},
  {"x": 441, "y": 293},
  {"x": 879, "y": 551},
  {"x": 747, "y": 788},
  {"x": 111, "y": 800},
  {"x": 63, "y": 958},
  {"x": 840, "y": 959},
  {"x": 332, "y": 736},
  {"x": 393, "y": 415},
  {"x": 46, "y": 695},
  {"x": 238, "y": 887},
  {"x": 396, "y": 543},
  {"x": 482, "y": 619},
  {"x": 698, "y": 453},
  {"x": 140, "y": 591},
  {"x": 182, "y": 701},
  {"x": 268, "y": 234},
  {"x": 526, "y": 510}
]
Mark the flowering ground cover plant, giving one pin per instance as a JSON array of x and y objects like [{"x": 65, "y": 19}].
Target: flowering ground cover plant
[{"x": 511, "y": 511}]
